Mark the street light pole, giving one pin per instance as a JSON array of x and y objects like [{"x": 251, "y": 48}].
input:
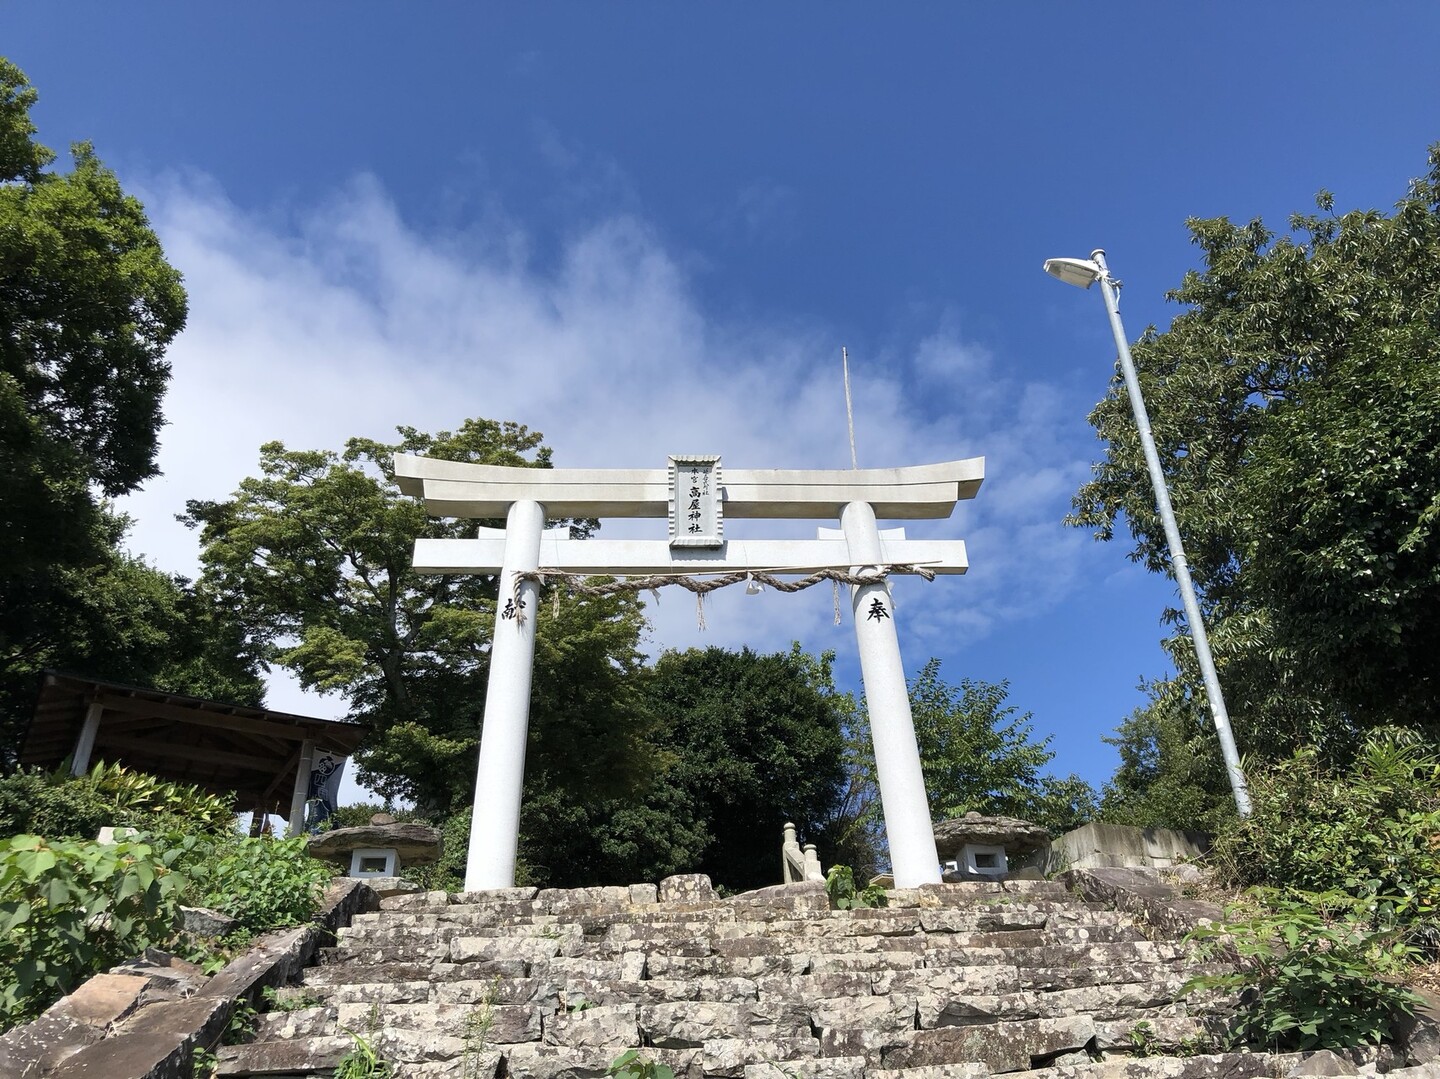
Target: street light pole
[{"x": 1084, "y": 273}]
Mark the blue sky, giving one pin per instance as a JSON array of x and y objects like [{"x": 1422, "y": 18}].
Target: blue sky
[{"x": 582, "y": 216}]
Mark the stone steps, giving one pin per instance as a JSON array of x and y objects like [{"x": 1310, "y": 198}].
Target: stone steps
[{"x": 950, "y": 982}]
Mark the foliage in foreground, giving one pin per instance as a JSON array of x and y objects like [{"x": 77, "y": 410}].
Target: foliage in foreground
[
  {"x": 1366, "y": 831},
  {"x": 263, "y": 882},
  {"x": 1343, "y": 866},
  {"x": 1314, "y": 972},
  {"x": 631, "y": 1065},
  {"x": 88, "y": 306},
  {"x": 73, "y": 908},
  {"x": 70, "y": 909},
  {"x": 58, "y": 806},
  {"x": 362, "y": 1061}
]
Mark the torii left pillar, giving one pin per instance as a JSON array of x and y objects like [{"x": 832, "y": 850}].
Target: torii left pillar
[{"x": 501, "y": 772}]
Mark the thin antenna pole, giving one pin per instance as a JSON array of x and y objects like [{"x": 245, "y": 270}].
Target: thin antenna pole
[{"x": 849, "y": 412}]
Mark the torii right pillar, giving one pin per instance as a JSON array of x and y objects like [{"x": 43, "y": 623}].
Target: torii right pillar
[{"x": 913, "y": 857}]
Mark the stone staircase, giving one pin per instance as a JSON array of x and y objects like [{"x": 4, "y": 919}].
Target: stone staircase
[{"x": 951, "y": 981}]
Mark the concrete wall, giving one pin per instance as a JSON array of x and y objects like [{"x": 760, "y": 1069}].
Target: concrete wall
[{"x": 1097, "y": 845}]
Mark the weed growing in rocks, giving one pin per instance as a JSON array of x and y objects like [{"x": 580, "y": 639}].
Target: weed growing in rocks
[
  {"x": 289, "y": 1000},
  {"x": 840, "y": 886},
  {"x": 478, "y": 1025},
  {"x": 1313, "y": 973},
  {"x": 631, "y": 1065},
  {"x": 363, "y": 1062}
]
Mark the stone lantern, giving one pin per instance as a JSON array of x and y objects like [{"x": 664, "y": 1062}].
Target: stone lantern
[
  {"x": 984, "y": 848},
  {"x": 375, "y": 852}
]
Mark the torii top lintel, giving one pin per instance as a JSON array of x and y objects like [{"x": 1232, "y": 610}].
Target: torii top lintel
[{"x": 916, "y": 492}]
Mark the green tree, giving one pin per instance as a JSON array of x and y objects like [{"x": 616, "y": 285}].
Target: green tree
[
  {"x": 88, "y": 305},
  {"x": 1296, "y": 406},
  {"x": 1171, "y": 774},
  {"x": 978, "y": 755},
  {"x": 315, "y": 556},
  {"x": 755, "y": 740}
]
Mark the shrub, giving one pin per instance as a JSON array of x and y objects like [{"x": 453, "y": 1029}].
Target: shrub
[
  {"x": 57, "y": 806},
  {"x": 1314, "y": 973},
  {"x": 840, "y": 886},
  {"x": 266, "y": 883},
  {"x": 68, "y": 909},
  {"x": 1372, "y": 833}
]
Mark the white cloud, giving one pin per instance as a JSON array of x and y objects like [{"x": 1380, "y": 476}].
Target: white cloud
[{"x": 342, "y": 320}]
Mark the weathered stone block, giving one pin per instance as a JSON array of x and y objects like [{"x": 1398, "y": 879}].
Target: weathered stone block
[
  {"x": 951, "y": 981},
  {"x": 946, "y": 1011},
  {"x": 1158, "y": 1032},
  {"x": 150, "y": 1055},
  {"x": 809, "y": 1068},
  {"x": 644, "y": 894},
  {"x": 416, "y": 901},
  {"x": 557, "y": 1062},
  {"x": 496, "y": 896},
  {"x": 204, "y": 922},
  {"x": 300, "y": 1023},
  {"x": 886, "y": 1014},
  {"x": 686, "y": 888},
  {"x": 1000, "y": 1046},
  {"x": 102, "y": 1000},
  {"x": 603, "y": 1025},
  {"x": 491, "y": 949},
  {"x": 728, "y": 1057},
  {"x": 35, "y": 1048},
  {"x": 690, "y": 1024}
]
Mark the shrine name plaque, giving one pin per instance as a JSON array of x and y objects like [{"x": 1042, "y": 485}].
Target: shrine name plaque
[{"x": 696, "y": 518}]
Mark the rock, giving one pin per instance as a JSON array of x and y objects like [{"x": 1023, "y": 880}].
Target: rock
[
  {"x": 828, "y": 1067},
  {"x": 686, "y": 888},
  {"x": 299, "y": 1057},
  {"x": 692, "y": 1024},
  {"x": 102, "y": 1000},
  {"x": 1417, "y": 1037},
  {"x": 414, "y": 844},
  {"x": 729, "y": 1057},
  {"x": 381, "y": 818},
  {"x": 125, "y": 1055},
  {"x": 1001, "y": 1047},
  {"x": 1185, "y": 874},
  {"x": 36, "y": 1048},
  {"x": 1018, "y": 837},
  {"x": 413, "y": 900},
  {"x": 594, "y": 1027},
  {"x": 386, "y": 887},
  {"x": 1143, "y": 893},
  {"x": 204, "y": 922},
  {"x": 1324, "y": 1062}
]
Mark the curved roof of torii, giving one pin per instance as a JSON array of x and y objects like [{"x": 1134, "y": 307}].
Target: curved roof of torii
[{"x": 461, "y": 489}]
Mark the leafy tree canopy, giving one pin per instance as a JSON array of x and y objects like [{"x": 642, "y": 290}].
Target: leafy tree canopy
[
  {"x": 88, "y": 305},
  {"x": 756, "y": 740},
  {"x": 315, "y": 556},
  {"x": 978, "y": 755},
  {"x": 1296, "y": 406}
]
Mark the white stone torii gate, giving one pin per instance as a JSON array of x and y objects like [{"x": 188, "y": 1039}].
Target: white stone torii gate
[{"x": 525, "y": 496}]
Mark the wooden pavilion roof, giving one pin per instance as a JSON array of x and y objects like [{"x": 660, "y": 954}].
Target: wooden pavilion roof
[{"x": 224, "y": 749}]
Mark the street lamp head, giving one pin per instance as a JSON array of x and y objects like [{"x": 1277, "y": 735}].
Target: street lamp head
[{"x": 1079, "y": 272}]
